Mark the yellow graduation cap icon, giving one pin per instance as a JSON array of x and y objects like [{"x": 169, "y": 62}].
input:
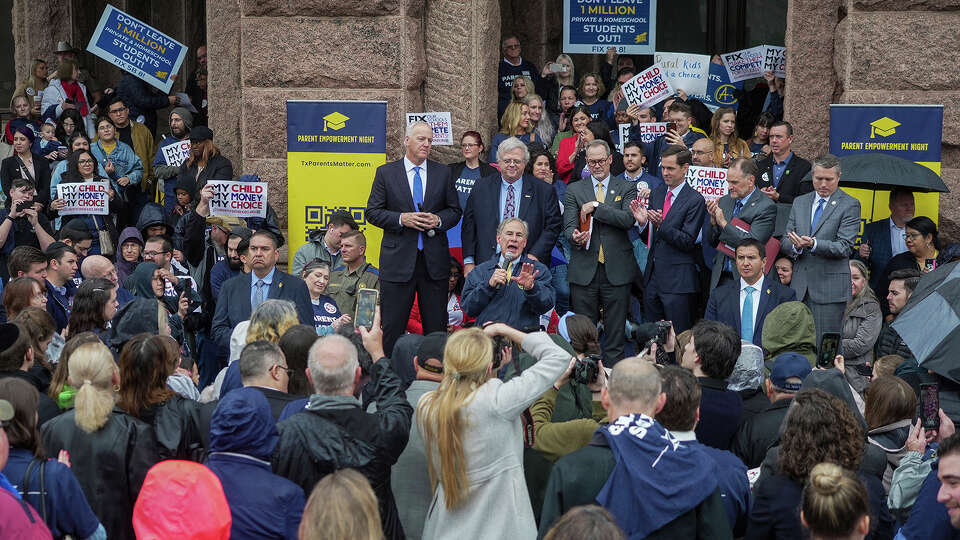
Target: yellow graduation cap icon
[
  {"x": 883, "y": 127},
  {"x": 335, "y": 121},
  {"x": 641, "y": 38}
]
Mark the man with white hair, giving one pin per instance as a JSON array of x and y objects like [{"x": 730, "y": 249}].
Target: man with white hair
[
  {"x": 335, "y": 432},
  {"x": 98, "y": 266}
]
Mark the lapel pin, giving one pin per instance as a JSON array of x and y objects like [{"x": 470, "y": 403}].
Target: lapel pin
[
  {"x": 280, "y": 285},
  {"x": 768, "y": 291},
  {"x": 833, "y": 202}
]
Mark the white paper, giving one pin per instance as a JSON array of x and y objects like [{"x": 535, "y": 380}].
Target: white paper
[{"x": 687, "y": 71}]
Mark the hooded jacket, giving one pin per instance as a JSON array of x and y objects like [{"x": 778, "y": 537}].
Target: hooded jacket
[
  {"x": 243, "y": 437},
  {"x": 789, "y": 328},
  {"x": 861, "y": 328},
  {"x": 152, "y": 214},
  {"x": 125, "y": 268},
  {"x": 139, "y": 316}
]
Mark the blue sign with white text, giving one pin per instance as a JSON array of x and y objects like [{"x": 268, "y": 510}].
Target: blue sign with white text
[
  {"x": 593, "y": 26},
  {"x": 720, "y": 91},
  {"x": 137, "y": 47},
  {"x": 911, "y": 132}
]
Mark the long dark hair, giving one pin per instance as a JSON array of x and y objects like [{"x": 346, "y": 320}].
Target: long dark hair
[
  {"x": 88, "y": 304},
  {"x": 458, "y": 288},
  {"x": 144, "y": 368},
  {"x": 78, "y": 125},
  {"x": 22, "y": 430},
  {"x": 295, "y": 344},
  {"x": 601, "y": 132},
  {"x": 537, "y": 154},
  {"x": 72, "y": 174},
  {"x": 925, "y": 226},
  {"x": 819, "y": 427},
  {"x": 583, "y": 334}
]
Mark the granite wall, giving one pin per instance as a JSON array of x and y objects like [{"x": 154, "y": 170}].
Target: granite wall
[{"x": 876, "y": 51}]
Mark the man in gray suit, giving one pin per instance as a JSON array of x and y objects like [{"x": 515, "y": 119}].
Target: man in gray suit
[
  {"x": 745, "y": 202},
  {"x": 595, "y": 284},
  {"x": 820, "y": 233}
]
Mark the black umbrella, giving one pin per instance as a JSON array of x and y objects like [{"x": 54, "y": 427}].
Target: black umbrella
[
  {"x": 884, "y": 171},
  {"x": 930, "y": 322}
]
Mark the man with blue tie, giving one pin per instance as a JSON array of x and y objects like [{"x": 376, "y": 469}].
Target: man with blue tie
[
  {"x": 746, "y": 203},
  {"x": 821, "y": 230},
  {"x": 415, "y": 202},
  {"x": 676, "y": 213},
  {"x": 241, "y": 295},
  {"x": 744, "y": 304}
]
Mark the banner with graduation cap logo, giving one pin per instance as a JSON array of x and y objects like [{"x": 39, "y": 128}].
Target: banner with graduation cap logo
[
  {"x": 333, "y": 150},
  {"x": 912, "y": 132}
]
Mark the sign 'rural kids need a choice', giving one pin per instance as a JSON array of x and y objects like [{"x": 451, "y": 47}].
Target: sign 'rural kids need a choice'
[{"x": 238, "y": 199}]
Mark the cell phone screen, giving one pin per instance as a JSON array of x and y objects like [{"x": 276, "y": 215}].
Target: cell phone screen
[
  {"x": 829, "y": 347},
  {"x": 366, "y": 305},
  {"x": 930, "y": 405}
]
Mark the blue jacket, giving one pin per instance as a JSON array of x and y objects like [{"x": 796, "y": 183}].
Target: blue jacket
[
  {"x": 67, "y": 510},
  {"x": 929, "y": 518},
  {"x": 509, "y": 304},
  {"x": 243, "y": 437},
  {"x": 59, "y": 305},
  {"x": 125, "y": 161},
  {"x": 734, "y": 485}
]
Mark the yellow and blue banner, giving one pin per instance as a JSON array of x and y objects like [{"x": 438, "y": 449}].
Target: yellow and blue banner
[
  {"x": 333, "y": 150},
  {"x": 593, "y": 26},
  {"x": 912, "y": 132},
  {"x": 137, "y": 47}
]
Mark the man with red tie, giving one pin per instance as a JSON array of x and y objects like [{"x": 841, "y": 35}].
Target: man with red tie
[{"x": 676, "y": 213}]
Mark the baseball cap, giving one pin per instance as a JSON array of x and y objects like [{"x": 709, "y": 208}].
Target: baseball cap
[
  {"x": 227, "y": 223},
  {"x": 9, "y": 334},
  {"x": 432, "y": 347},
  {"x": 789, "y": 365}
]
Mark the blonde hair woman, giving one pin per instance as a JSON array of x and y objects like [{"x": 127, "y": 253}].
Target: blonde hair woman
[
  {"x": 110, "y": 451},
  {"x": 514, "y": 123},
  {"x": 471, "y": 427},
  {"x": 271, "y": 320},
  {"x": 727, "y": 145},
  {"x": 341, "y": 507},
  {"x": 835, "y": 504}
]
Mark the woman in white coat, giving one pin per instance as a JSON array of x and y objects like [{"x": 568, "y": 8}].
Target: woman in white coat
[
  {"x": 472, "y": 430},
  {"x": 67, "y": 92}
]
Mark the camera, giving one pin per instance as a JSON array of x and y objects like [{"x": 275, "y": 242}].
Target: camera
[
  {"x": 23, "y": 205},
  {"x": 587, "y": 369},
  {"x": 500, "y": 343}
]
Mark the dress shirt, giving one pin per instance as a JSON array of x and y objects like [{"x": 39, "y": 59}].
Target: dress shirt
[
  {"x": 605, "y": 182},
  {"x": 267, "y": 282},
  {"x": 898, "y": 240},
  {"x": 517, "y": 190},
  {"x": 779, "y": 167},
  {"x": 758, "y": 288}
]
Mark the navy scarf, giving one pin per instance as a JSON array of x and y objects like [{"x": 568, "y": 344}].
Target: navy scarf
[{"x": 656, "y": 479}]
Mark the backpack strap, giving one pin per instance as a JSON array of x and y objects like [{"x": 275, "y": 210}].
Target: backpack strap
[{"x": 25, "y": 485}]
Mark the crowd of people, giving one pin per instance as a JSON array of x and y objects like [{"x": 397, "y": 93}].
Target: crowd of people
[{"x": 159, "y": 361}]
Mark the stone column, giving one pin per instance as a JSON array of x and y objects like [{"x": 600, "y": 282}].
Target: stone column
[{"x": 37, "y": 27}]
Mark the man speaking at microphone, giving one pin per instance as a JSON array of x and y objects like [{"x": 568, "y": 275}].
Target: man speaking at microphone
[{"x": 510, "y": 287}]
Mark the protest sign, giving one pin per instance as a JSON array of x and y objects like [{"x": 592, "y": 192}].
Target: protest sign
[
  {"x": 775, "y": 60},
  {"x": 175, "y": 153},
  {"x": 137, "y": 47},
  {"x": 711, "y": 182},
  {"x": 624, "y": 131},
  {"x": 745, "y": 64},
  {"x": 720, "y": 91},
  {"x": 439, "y": 123},
  {"x": 648, "y": 87},
  {"x": 593, "y": 26},
  {"x": 687, "y": 71},
  {"x": 238, "y": 199},
  {"x": 649, "y": 131},
  {"x": 84, "y": 198}
]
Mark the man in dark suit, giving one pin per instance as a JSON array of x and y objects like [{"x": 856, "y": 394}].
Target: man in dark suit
[
  {"x": 819, "y": 237},
  {"x": 886, "y": 238},
  {"x": 744, "y": 304},
  {"x": 594, "y": 284},
  {"x": 241, "y": 295},
  {"x": 782, "y": 172},
  {"x": 711, "y": 354},
  {"x": 749, "y": 205},
  {"x": 510, "y": 194},
  {"x": 676, "y": 213},
  {"x": 415, "y": 202}
]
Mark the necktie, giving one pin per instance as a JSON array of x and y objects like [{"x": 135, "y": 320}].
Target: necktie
[
  {"x": 600, "y": 195},
  {"x": 816, "y": 215},
  {"x": 666, "y": 203},
  {"x": 418, "y": 200},
  {"x": 736, "y": 211},
  {"x": 509, "y": 269},
  {"x": 510, "y": 204},
  {"x": 746, "y": 316},
  {"x": 258, "y": 295}
]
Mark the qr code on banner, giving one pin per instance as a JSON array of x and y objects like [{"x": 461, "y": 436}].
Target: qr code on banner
[{"x": 318, "y": 217}]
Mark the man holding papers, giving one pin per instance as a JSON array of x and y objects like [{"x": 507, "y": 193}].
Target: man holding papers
[{"x": 742, "y": 214}]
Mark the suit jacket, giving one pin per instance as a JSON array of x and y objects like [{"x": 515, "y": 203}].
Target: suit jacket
[
  {"x": 233, "y": 305},
  {"x": 538, "y": 206},
  {"x": 10, "y": 170},
  {"x": 389, "y": 197},
  {"x": 724, "y": 304},
  {"x": 674, "y": 251},
  {"x": 823, "y": 272},
  {"x": 791, "y": 183},
  {"x": 611, "y": 221},
  {"x": 877, "y": 234},
  {"x": 760, "y": 212}
]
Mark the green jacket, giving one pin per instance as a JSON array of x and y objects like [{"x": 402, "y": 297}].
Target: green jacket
[
  {"x": 557, "y": 439},
  {"x": 789, "y": 328}
]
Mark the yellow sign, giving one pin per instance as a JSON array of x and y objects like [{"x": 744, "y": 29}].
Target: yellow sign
[
  {"x": 883, "y": 127},
  {"x": 335, "y": 121}
]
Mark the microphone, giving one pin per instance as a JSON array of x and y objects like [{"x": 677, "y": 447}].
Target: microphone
[
  {"x": 429, "y": 232},
  {"x": 507, "y": 258}
]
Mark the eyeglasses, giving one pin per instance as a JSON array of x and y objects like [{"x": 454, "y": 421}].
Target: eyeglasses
[
  {"x": 516, "y": 46},
  {"x": 85, "y": 162},
  {"x": 699, "y": 152},
  {"x": 120, "y": 110},
  {"x": 911, "y": 236},
  {"x": 154, "y": 253},
  {"x": 511, "y": 161},
  {"x": 596, "y": 162},
  {"x": 468, "y": 145},
  {"x": 284, "y": 368}
]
